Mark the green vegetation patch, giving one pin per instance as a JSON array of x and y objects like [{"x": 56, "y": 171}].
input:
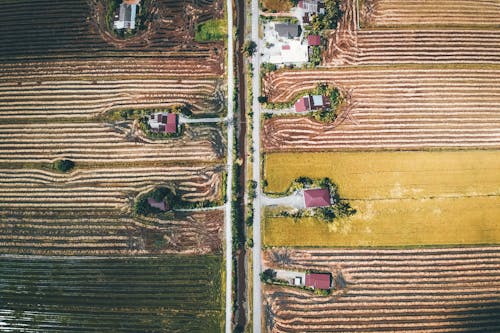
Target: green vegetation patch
[
  {"x": 169, "y": 294},
  {"x": 63, "y": 165},
  {"x": 211, "y": 30}
]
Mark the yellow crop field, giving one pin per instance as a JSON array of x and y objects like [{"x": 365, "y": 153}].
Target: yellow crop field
[{"x": 402, "y": 198}]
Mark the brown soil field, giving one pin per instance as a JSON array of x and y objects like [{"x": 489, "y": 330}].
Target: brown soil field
[
  {"x": 383, "y": 290},
  {"x": 60, "y": 74},
  {"x": 392, "y": 108},
  {"x": 414, "y": 85},
  {"x": 89, "y": 211}
]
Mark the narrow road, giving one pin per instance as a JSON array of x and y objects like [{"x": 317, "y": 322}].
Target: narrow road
[
  {"x": 257, "y": 292},
  {"x": 229, "y": 184},
  {"x": 185, "y": 120}
]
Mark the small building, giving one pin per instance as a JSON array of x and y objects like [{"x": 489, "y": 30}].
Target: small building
[
  {"x": 317, "y": 198},
  {"x": 303, "y": 104},
  {"x": 127, "y": 15},
  {"x": 309, "y": 6},
  {"x": 313, "y": 40},
  {"x": 163, "y": 122},
  {"x": 161, "y": 205},
  {"x": 287, "y": 30},
  {"x": 319, "y": 280},
  {"x": 297, "y": 281},
  {"x": 312, "y": 102},
  {"x": 293, "y": 52}
]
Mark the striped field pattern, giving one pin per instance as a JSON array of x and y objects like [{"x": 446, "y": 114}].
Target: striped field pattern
[{"x": 424, "y": 290}]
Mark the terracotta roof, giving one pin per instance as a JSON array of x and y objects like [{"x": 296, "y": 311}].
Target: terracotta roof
[
  {"x": 131, "y": 2},
  {"x": 171, "y": 123},
  {"x": 317, "y": 198},
  {"x": 318, "y": 280},
  {"x": 302, "y": 104},
  {"x": 313, "y": 40}
]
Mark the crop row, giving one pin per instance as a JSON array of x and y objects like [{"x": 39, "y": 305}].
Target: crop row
[
  {"x": 120, "y": 295},
  {"x": 59, "y": 99},
  {"x": 442, "y": 290},
  {"x": 479, "y": 13},
  {"x": 391, "y": 108},
  {"x": 99, "y": 143},
  {"x": 375, "y": 47}
]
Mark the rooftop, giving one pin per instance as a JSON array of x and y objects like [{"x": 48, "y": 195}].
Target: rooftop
[
  {"x": 287, "y": 30},
  {"x": 318, "y": 280},
  {"x": 317, "y": 198}
]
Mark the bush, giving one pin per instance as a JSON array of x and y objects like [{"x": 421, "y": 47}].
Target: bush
[
  {"x": 249, "y": 48},
  {"x": 64, "y": 165},
  {"x": 268, "y": 275},
  {"x": 211, "y": 30},
  {"x": 262, "y": 99}
]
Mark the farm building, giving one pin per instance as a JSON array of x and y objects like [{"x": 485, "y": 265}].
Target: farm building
[
  {"x": 310, "y": 7},
  {"x": 319, "y": 280},
  {"x": 163, "y": 122},
  {"x": 161, "y": 205},
  {"x": 127, "y": 14},
  {"x": 312, "y": 102},
  {"x": 313, "y": 40},
  {"x": 287, "y": 30},
  {"x": 317, "y": 198}
]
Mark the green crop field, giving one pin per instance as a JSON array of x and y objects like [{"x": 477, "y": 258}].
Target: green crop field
[
  {"x": 402, "y": 198},
  {"x": 169, "y": 294}
]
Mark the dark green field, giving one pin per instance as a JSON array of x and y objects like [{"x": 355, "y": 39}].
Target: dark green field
[{"x": 169, "y": 294}]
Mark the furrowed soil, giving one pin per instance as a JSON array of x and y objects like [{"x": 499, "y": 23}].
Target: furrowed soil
[{"x": 401, "y": 198}]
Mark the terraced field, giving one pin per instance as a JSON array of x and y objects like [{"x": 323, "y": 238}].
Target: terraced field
[
  {"x": 171, "y": 294},
  {"x": 423, "y": 290},
  {"x": 90, "y": 211},
  {"x": 406, "y": 87},
  {"x": 93, "y": 143},
  {"x": 61, "y": 76},
  {"x": 414, "y": 107},
  {"x": 428, "y": 13}
]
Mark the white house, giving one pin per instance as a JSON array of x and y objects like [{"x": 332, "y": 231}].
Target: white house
[{"x": 127, "y": 15}]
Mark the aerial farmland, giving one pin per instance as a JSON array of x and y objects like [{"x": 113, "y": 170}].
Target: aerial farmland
[
  {"x": 411, "y": 148},
  {"x": 85, "y": 224}
]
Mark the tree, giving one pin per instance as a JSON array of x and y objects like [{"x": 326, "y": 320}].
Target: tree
[
  {"x": 64, "y": 165},
  {"x": 249, "y": 48},
  {"x": 268, "y": 275},
  {"x": 262, "y": 99}
]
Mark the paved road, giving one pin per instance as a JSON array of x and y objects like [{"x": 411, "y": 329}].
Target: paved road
[
  {"x": 229, "y": 190},
  {"x": 257, "y": 292}
]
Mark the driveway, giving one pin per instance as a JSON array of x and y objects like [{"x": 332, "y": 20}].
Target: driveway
[{"x": 295, "y": 200}]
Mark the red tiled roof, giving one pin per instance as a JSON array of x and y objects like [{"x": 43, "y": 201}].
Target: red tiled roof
[
  {"x": 317, "y": 198},
  {"x": 301, "y": 4},
  {"x": 313, "y": 40},
  {"x": 285, "y": 47},
  {"x": 171, "y": 123},
  {"x": 302, "y": 104},
  {"x": 318, "y": 280}
]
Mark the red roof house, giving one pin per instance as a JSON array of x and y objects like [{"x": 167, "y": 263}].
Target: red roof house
[
  {"x": 313, "y": 40},
  {"x": 319, "y": 280},
  {"x": 317, "y": 198},
  {"x": 303, "y": 104},
  {"x": 171, "y": 126}
]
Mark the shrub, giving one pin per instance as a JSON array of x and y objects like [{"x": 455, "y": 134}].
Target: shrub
[
  {"x": 249, "y": 48},
  {"x": 64, "y": 165},
  {"x": 211, "y": 30}
]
